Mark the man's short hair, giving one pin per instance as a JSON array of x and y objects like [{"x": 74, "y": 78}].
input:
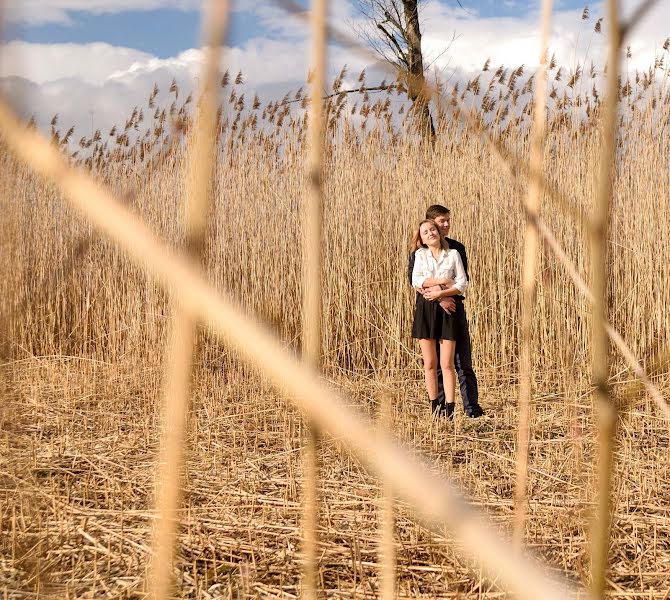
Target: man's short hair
[{"x": 436, "y": 210}]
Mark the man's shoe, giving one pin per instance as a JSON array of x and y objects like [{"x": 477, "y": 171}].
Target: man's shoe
[{"x": 474, "y": 412}]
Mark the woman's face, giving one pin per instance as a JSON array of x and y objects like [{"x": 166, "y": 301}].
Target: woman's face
[{"x": 429, "y": 234}]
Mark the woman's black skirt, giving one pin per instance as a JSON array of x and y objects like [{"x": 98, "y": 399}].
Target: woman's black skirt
[{"x": 431, "y": 321}]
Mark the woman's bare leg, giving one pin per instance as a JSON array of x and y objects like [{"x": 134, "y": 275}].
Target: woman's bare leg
[
  {"x": 447, "y": 350},
  {"x": 429, "y": 353}
]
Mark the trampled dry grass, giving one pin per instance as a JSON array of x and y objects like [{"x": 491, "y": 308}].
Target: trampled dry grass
[
  {"x": 79, "y": 463},
  {"x": 86, "y": 334}
]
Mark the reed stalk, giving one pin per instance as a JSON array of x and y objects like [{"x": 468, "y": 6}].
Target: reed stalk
[
  {"x": 312, "y": 287},
  {"x": 182, "y": 344},
  {"x": 600, "y": 269},
  {"x": 528, "y": 279},
  {"x": 435, "y": 502}
]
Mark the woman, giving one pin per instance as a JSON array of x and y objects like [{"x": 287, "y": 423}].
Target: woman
[{"x": 438, "y": 273}]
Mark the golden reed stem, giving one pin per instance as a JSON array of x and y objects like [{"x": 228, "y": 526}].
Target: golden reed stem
[
  {"x": 606, "y": 410},
  {"x": 312, "y": 243},
  {"x": 387, "y": 518},
  {"x": 182, "y": 341},
  {"x": 529, "y": 280},
  {"x": 436, "y": 502}
]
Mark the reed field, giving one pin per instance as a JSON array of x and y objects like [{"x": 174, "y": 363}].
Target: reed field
[{"x": 85, "y": 330}]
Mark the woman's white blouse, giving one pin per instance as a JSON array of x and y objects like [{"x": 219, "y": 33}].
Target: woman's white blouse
[{"x": 448, "y": 265}]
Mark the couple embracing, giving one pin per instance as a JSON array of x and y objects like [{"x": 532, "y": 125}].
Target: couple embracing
[{"x": 438, "y": 270}]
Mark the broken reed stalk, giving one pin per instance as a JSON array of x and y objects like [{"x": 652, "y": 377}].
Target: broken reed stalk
[
  {"x": 528, "y": 280},
  {"x": 311, "y": 256},
  {"x": 182, "y": 341},
  {"x": 606, "y": 410},
  {"x": 436, "y": 502}
]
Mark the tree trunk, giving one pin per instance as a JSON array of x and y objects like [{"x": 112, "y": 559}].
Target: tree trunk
[{"x": 416, "y": 82}]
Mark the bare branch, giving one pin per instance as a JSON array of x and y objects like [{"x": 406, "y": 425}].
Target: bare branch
[
  {"x": 441, "y": 54},
  {"x": 397, "y": 50},
  {"x": 377, "y": 88}
]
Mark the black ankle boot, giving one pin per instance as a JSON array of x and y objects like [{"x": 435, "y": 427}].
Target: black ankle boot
[
  {"x": 435, "y": 406},
  {"x": 449, "y": 410}
]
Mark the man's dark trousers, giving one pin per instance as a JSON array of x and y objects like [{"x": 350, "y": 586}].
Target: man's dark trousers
[{"x": 467, "y": 379}]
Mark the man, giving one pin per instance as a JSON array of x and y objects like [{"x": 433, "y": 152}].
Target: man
[{"x": 463, "y": 358}]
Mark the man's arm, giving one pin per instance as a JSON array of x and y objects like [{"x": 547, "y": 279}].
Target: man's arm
[
  {"x": 464, "y": 260},
  {"x": 460, "y": 248},
  {"x": 447, "y": 304},
  {"x": 438, "y": 281},
  {"x": 437, "y": 293}
]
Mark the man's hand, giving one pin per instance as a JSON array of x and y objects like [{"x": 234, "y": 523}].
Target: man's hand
[{"x": 448, "y": 304}]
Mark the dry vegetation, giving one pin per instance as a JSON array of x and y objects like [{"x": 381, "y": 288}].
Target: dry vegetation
[{"x": 84, "y": 333}]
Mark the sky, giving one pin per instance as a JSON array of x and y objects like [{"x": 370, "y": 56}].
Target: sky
[{"x": 92, "y": 61}]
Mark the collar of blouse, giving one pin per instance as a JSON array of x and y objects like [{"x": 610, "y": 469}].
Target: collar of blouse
[{"x": 441, "y": 256}]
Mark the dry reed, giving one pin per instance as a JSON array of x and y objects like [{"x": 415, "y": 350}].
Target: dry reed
[
  {"x": 181, "y": 348},
  {"x": 110, "y": 315},
  {"x": 436, "y": 503},
  {"x": 312, "y": 282},
  {"x": 529, "y": 269},
  {"x": 599, "y": 238}
]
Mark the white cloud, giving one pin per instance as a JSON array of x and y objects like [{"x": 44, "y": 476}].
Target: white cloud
[
  {"x": 84, "y": 82},
  {"x": 276, "y": 21},
  {"x": 57, "y": 11},
  {"x": 92, "y": 63},
  {"x": 102, "y": 82},
  {"x": 513, "y": 41}
]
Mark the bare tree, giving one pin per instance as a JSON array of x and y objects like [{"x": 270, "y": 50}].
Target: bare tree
[{"x": 394, "y": 31}]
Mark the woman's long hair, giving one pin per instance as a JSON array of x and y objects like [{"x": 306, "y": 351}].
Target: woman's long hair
[{"x": 416, "y": 238}]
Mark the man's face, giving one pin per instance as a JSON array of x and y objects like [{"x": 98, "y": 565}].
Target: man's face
[{"x": 443, "y": 222}]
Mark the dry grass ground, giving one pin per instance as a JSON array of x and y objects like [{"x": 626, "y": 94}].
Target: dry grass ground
[
  {"x": 83, "y": 336},
  {"x": 78, "y": 469}
]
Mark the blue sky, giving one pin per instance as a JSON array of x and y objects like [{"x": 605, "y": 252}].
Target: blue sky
[
  {"x": 162, "y": 32},
  {"x": 166, "y": 32}
]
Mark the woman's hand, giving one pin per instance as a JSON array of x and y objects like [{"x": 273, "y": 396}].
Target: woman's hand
[{"x": 432, "y": 293}]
